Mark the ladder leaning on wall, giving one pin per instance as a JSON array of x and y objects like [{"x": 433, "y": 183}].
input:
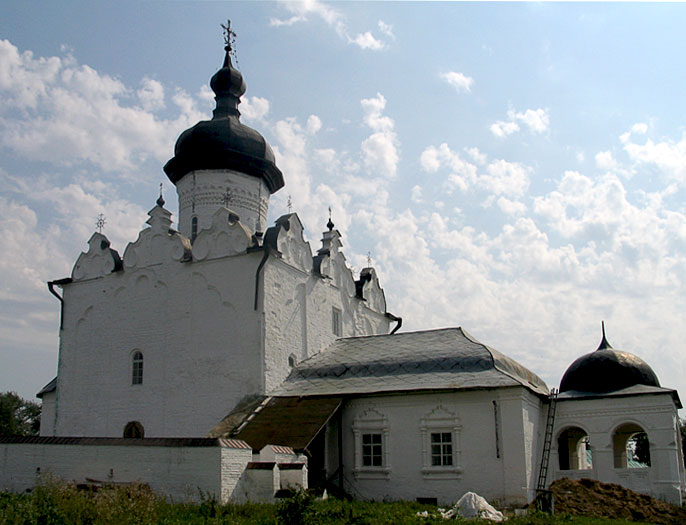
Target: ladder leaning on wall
[{"x": 547, "y": 442}]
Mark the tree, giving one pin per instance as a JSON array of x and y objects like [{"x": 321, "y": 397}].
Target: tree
[{"x": 18, "y": 417}]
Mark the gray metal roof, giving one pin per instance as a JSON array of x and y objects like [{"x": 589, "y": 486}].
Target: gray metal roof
[{"x": 444, "y": 359}]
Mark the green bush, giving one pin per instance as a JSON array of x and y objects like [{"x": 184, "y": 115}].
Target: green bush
[{"x": 57, "y": 503}]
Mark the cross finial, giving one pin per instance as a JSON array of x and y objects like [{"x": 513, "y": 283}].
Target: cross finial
[
  {"x": 100, "y": 222},
  {"x": 289, "y": 203},
  {"x": 369, "y": 259},
  {"x": 330, "y": 224},
  {"x": 160, "y": 199},
  {"x": 229, "y": 35}
]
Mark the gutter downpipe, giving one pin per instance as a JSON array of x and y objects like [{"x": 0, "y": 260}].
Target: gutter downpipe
[
  {"x": 265, "y": 248},
  {"x": 393, "y": 318},
  {"x": 51, "y": 285}
]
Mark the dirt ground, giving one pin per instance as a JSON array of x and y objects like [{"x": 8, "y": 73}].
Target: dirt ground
[{"x": 588, "y": 497}]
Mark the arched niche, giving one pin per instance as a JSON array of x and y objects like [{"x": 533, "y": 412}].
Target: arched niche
[
  {"x": 574, "y": 449},
  {"x": 630, "y": 446}
]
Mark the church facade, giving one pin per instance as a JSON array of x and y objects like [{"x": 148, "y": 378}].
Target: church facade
[{"x": 230, "y": 356}]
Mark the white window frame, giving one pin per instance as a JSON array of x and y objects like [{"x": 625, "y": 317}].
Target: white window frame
[
  {"x": 371, "y": 422},
  {"x": 441, "y": 420}
]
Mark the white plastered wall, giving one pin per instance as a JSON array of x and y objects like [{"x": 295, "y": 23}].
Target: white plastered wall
[
  {"x": 194, "y": 322},
  {"x": 601, "y": 417},
  {"x": 496, "y": 461},
  {"x": 178, "y": 472},
  {"x": 298, "y": 305}
]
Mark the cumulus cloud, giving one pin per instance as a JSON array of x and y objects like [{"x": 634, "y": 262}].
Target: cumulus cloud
[
  {"x": 535, "y": 120},
  {"x": 303, "y": 10},
  {"x": 667, "y": 156},
  {"x": 461, "y": 82},
  {"x": 380, "y": 149},
  {"x": 367, "y": 41},
  {"x": 500, "y": 177},
  {"x": 254, "y": 108},
  {"x": 77, "y": 114}
]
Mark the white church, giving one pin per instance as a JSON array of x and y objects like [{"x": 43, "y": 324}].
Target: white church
[{"x": 230, "y": 357}]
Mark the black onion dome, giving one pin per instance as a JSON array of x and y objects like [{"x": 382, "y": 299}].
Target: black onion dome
[
  {"x": 223, "y": 142},
  {"x": 607, "y": 370}
]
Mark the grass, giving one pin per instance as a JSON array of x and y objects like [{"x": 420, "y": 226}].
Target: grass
[{"x": 58, "y": 503}]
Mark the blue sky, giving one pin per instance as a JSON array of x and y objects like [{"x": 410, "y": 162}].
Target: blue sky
[{"x": 518, "y": 169}]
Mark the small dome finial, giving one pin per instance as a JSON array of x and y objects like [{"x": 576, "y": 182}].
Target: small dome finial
[
  {"x": 227, "y": 83},
  {"x": 160, "y": 199},
  {"x": 604, "y": 345}
]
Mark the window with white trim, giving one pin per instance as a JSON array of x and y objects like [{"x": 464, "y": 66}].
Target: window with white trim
[
  {"x": 441, "y": 449},
  {"x": 440, "y": 430},
  {"x": 137, "y": 368},
  {"x": 372, "y": 450},
  {"x": 370, "y": 430}
]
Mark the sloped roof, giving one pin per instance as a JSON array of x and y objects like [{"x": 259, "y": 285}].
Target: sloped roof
[
  {"x": 287, "y": 421},
  {"x": 444, "y": 359}
]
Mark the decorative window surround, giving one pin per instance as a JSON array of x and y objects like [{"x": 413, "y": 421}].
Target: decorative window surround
[
  {"x": 441, "y": 421},
  {"x": 371, "y": 423}
]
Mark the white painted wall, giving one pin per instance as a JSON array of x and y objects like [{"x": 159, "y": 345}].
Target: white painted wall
[
  {"x": 191, "y": 312},
  {"x": 178, "y": 472},
  {"x": 503, "y": 480},
  {"x": 657, "y": 414},
  {"x": 202, "y": 192}
]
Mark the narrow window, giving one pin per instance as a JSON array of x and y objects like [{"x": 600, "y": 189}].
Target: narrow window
[
  {"x": 291, "y": 361},
  {"x": 194, "y": 228},
  {"x": 134, "y": 430},
  {"x": 137, "y": 369},
  {"x": 372, "y": 450},
  {"x": 336, "y": 322},
  {"x": 441, "y": 449}
]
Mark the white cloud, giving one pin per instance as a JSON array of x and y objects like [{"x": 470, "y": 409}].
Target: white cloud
[
  {"x": 605, "y": 160},
  {"x": 536, "y": 120},
  {"x": 501, "y": 128},
  {"x": 511, "y": 207},
  {"x": 505, "y": 178},
  {"x": 461, "y": 82},
  {"x": 314, "y": 124},
  {"x": 386, "y": 29},
  {"x": 667, "y": 156},
  {"x": 75, "y": 114},
  {"x": 254, "y": 108},
  {"x": 303, "y": 9},
  {"x": 367, "y": 41},
  {"x": 416, "y": 195},
  {"x": 151, "y": 94},
  {"x": 379, "y": 150}
]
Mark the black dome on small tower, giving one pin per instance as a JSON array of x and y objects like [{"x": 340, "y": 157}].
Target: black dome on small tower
[
  {"x": 607, "y": 370},
  {"x": 223, "y": 142}
]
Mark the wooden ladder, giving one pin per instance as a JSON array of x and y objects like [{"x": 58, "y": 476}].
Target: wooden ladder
[{"x": 547, "y": 442}]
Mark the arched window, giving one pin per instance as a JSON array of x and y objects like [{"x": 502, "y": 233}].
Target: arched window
[
  {"x": 134, "y": 430},
  {"x": 630, "y": 446},
  {"x": 137, "y": 368},
  {"x": 574, "y": 450},
  {"x": 292, "y": 361},
  {"x": 194, "y": 228}
]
